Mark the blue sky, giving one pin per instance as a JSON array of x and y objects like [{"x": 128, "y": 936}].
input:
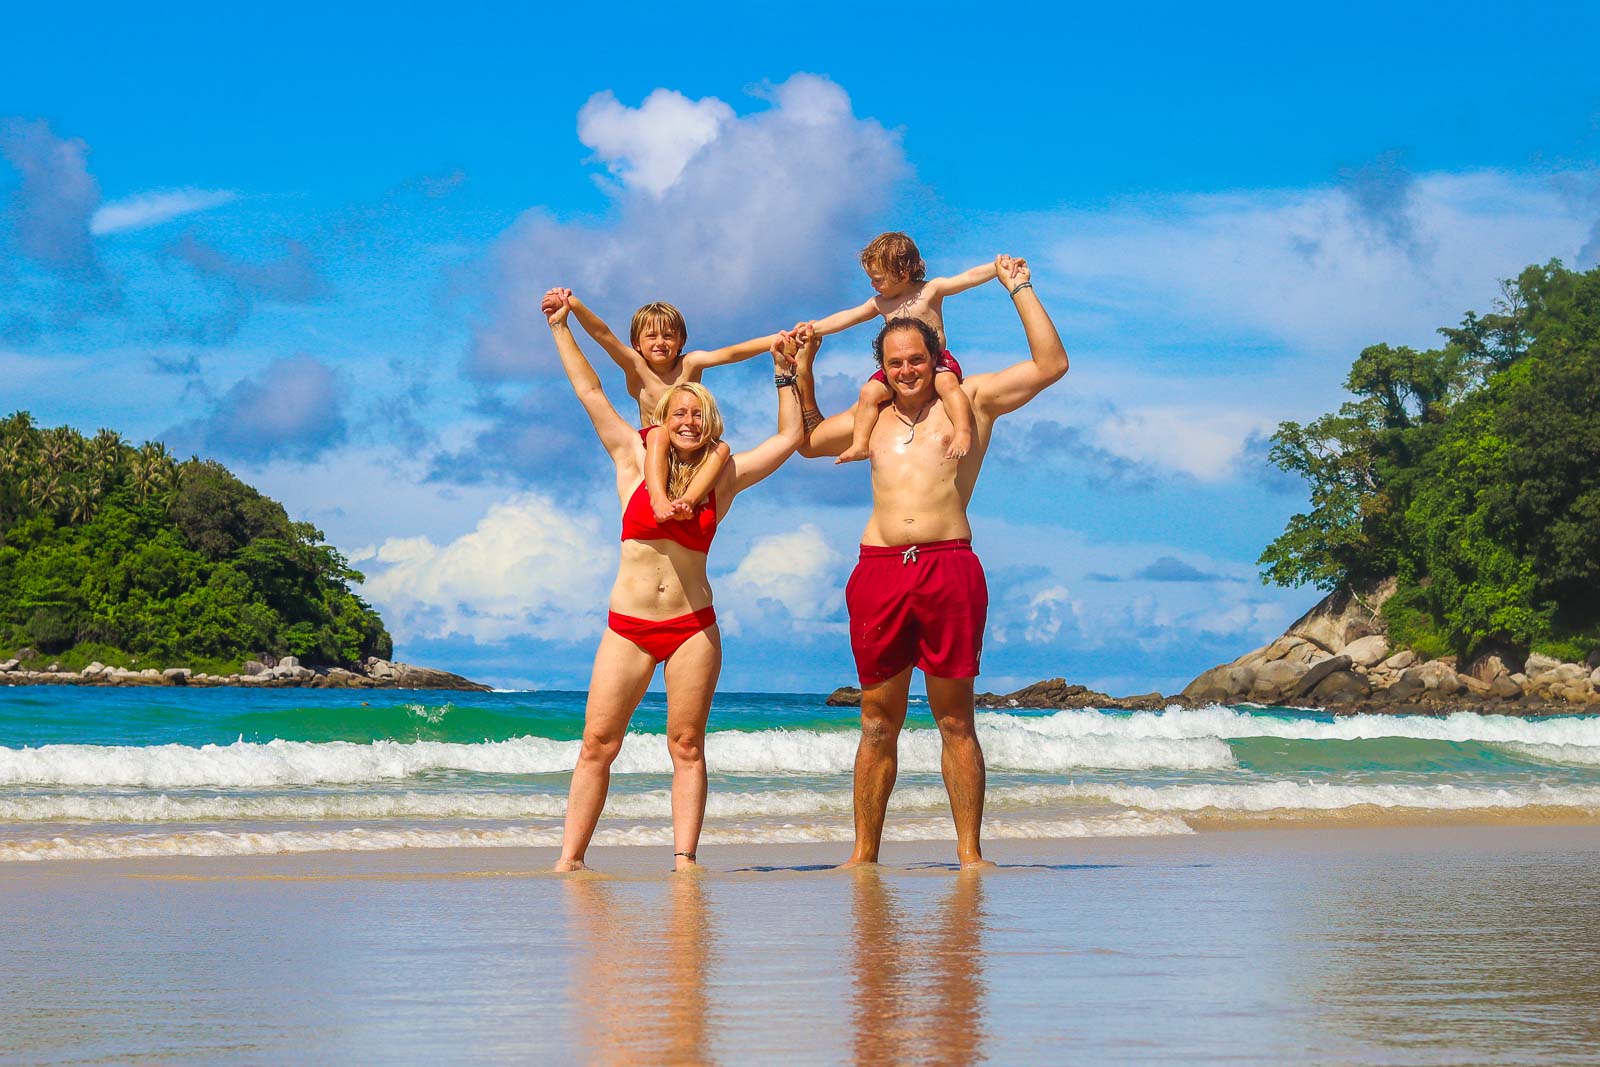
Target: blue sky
[{"x": 309, "y": 244}]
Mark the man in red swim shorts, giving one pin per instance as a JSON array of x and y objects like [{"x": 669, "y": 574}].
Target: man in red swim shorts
[{"x": 917, "y": 598}]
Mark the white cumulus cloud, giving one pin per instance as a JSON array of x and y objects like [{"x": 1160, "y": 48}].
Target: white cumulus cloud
[
  {"x": 785, "y": 579},
  {"x": 1047, "y": 610},
  {"x": 647, "y": 147},
  {"x": 152, "y": 209},
  {"x": 1205, "y": 443},
  {"x": 740, "y": 220},
  {"x": 528, "y": 568}
]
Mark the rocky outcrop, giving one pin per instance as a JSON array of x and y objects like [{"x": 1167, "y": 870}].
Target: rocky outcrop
[
  {"x": 1058, "y": 693},
  {"x": 1050, "y": 693},
  {"x": 1337, "y": 655},
  {"x": 282, "y": 674}
]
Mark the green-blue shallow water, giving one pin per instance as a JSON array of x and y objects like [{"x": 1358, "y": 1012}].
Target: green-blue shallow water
[{"x": 91, "y": 772}]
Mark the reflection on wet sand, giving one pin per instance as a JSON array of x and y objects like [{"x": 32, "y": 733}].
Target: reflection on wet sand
[
  {"x": 918, "y": 986},
  {"x": 640, "y": 969},
  {"x": 1438, "y": 963}
]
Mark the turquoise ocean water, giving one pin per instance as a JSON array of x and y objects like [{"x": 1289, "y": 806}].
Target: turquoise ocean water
[{"x": 92, "y": 773}]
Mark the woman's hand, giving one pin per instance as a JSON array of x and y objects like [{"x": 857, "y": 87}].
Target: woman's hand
[
  {"x": 555, "y": 306},
  {"x": 784, "y": 347}
]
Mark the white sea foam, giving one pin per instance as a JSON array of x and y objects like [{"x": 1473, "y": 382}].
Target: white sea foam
[
  {"x": 1581, "y": 755},
  {"x": 218, "y": 843},
  {"x": 1223, "y": 722},
  {"x": 1042, "y": 799},
  {"x": 1009, "y": 746},
  {"x": 1309, "y": 796}
]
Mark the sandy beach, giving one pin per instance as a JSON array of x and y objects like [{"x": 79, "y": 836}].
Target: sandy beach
[{"x": 1435, "y": 944}]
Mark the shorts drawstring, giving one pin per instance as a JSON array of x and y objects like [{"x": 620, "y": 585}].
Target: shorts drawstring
[{"x": 909, "y": 555}]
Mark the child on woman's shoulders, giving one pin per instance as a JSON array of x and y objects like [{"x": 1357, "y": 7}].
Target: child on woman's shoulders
[{"x": 653, "y": 362}]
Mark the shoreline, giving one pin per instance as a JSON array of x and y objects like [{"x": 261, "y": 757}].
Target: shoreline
[
  {"x": 810, "y": 858},
  {"x": 373, "y": 673}
]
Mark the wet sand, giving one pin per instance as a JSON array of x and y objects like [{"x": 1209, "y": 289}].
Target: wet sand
[{"x": 1396, "y": 945}]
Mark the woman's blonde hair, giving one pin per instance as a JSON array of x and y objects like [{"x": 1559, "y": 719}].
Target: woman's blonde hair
[{"x": 679, "y": 471}]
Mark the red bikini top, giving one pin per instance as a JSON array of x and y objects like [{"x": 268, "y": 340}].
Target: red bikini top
[{"x": 639, "y": 521}]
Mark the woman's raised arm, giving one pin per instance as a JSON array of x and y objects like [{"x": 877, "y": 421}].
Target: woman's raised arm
[
  {"x": 619, "y": 438},
  {"x": 755, "y": 464}
]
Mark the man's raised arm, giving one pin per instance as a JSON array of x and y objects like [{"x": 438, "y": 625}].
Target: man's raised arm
[
  {"x": 1009, "y": 389},
  {"x": 823, "y": 437}
]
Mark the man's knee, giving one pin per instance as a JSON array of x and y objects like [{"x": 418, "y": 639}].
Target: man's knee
[{"x": 879, "y": 731}]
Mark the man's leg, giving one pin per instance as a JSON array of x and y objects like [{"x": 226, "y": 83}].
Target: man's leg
[
  {"x": 961, "y": 760},
  {"x": 883, "y": 713}
]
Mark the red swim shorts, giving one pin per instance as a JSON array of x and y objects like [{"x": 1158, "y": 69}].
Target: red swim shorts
[
  {"x": 922, "y": 604},
  {"x": 945, "y": 362}
]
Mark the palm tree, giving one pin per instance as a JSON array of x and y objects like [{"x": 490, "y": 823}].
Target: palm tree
[
  {"x": 45, "y": 492},
  {"x": 59, "y": 448},
  {"x": 105, "y": 450},
  {"x": 154, "y": 469},
  {"x": 81, "y": 503}
]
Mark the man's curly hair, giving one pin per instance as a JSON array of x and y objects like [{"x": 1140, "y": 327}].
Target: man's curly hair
[{"x": 929, "y": 338}]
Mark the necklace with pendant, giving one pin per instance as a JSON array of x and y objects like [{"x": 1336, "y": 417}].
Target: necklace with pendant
[{"x": 911, "y": 424}]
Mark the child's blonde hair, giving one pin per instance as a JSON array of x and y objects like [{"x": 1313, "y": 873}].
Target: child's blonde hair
[
  {"x": 680, "y": 472},
  {"x": 895, "y": 253},
  {"x": 661, "y": 315}
]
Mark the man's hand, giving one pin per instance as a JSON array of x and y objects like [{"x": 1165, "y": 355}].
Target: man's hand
[
  {"x": 1012, "y": 271},
  {"x": 806, "y": 356}
]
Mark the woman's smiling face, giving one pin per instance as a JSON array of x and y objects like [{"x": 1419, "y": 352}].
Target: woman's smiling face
[{"x": 685, "y": 422}]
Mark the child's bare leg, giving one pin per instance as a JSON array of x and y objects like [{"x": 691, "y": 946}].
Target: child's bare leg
[
  {"x": 869, "y": 405},
  {"x": 655, "y": 473},
  {"x": 958, "y": 406}
]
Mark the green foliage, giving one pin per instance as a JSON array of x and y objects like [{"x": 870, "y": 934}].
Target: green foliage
[
  {"x": 121, "y": 554},
  {"x": 1410, "y": 622},
  {"x": 1471, "y": 472},
  {"x": 1571, "y": 649}
]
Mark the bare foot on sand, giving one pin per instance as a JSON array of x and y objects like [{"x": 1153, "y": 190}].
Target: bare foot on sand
[
  {"x": 978, "y": 865},
  {"x": 568, "y": 866}
]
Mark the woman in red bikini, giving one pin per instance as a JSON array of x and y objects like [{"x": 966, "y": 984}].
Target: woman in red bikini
[{"x": 661, "y": 602}]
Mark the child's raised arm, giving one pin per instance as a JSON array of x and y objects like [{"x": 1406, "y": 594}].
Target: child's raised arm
[
  {"x": 843, "y": 320},
  {"x": 960, "y": 283},
  {"x": 695, "y": 362},
  {"x": 623, "y": 355}
]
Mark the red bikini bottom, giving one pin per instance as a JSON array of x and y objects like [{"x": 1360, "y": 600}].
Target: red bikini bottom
[{"x": 662, "y": 637}]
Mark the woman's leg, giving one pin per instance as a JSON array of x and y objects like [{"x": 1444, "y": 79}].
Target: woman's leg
[
  {"x": 622, "y": 670},
  {"x": 691, "y": 679}
]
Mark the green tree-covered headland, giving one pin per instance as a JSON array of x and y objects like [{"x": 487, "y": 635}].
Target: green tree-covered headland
[
  {"x": 1470, "y": 473},
  {"x": 123, "y": 554}
]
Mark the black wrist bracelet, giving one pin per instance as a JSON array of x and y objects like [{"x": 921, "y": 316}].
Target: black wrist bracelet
[
  {"x": 1018, "y": 289},
  {"x": 782, "y": 380}
]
